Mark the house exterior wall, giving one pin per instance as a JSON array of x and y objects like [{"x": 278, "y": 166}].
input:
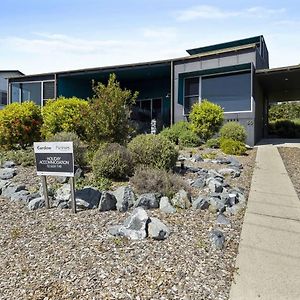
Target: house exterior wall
[{"x": 3, "y": 85}]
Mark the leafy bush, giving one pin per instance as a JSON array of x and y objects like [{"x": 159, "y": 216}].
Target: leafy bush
[
  {"x": 229, "y": 146},
  {"x": 285, "y": 128},
  {"x": 78, "y": 146},
  {"x": 154, "y": 151},
  {"x": 20, "y": 124},
  {"x": 64, "y": 114},
  {"x": 213, "y": 143},
  {"x": 284, "y": 111},
  {"x": 101, "y": 183},
  {"x": 234, "y": 131},
  {"x": 149, "y": 180},
  {"x": 109, "y": 111},
  {"x": 206, "y": 119},
  {"x": 112, "y": 161},
  {"x": 23, "y": 157},
  {"x": 181, "y": 134}
]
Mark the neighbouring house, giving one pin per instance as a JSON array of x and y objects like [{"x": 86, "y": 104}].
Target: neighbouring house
[
  {"x": 4, "y": 75},
  {"x": 235, "y": 75}
]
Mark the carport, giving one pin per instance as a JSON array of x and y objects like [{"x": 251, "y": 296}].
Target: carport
[{"x": 273, "y": 86}]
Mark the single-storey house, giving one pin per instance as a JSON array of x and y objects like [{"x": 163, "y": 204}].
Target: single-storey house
[{"x": 235, "y": 75}]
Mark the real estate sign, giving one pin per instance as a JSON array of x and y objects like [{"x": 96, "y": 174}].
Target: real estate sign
[{"x": 54, "y": 158}]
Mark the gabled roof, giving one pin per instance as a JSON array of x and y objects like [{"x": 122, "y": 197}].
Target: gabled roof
[{"x": 236, "y": 43}]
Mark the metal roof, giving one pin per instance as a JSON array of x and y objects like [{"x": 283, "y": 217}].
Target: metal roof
[
  {"x": 6, "y": 71},
  {"x": 278, "y": 69}
]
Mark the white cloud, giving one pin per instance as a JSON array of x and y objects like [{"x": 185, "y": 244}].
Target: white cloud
[
  {"x": 214, "y": 12},
  {"x": 159, "y": 33}
]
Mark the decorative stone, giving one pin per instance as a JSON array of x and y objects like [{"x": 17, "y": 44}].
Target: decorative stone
[
  {"x": 216, "y": 205},
  {"x": 222, "y": 220},
  {"x": 125, "y": 198},
  {"x": 165, "y": 206},
  {"x": 181, "y": 200},
  {"x": 217, "y": 239},
  {"x": 22, "y": 196},
  {"x": 36, "y": 203},
  {"x": 78, "y": 173},
  {"x": 234, "y": 162},
  {"x": 157, "y": 230},
  {"x": 107, "y": 202},
  {"x": 149, "y": 200},
  {"x": 3, "y": 184},
  {"x": 87, "y": 198},
  {"x": 215, "y": 186},
  {"x": 7, "y": 173},
  {"x": 61, "y": 179},
  {"x": 8, "y": 164},
  {"x": 199, "y": 183},
  {"x": 200, "y": 203},
  {"x": 196, "y": 158},
  {"x": 63, "y": 193},
  {"x": 233, "y": 172},
  {"x": 11, "y": 189}
]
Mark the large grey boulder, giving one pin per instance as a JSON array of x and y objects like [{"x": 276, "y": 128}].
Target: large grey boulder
[
  {"x": 7, "y": 173},
  {"x": 149, "y": 200},
  {"x": 230, "y": 171},
  {"x": 134, "y": 227},
  {"x": 215, "y": 186},
  {"x": 36, "y": 203},
  {"x": 201, "y": 203},
  {"x": 181, "y": 200},
  {"x": 196, "y": 158},
  {"x": 3, "y": 184},
  {"x": 217, "y": 239},
  {"x": 125, "y": 198},
  {"x": 11, "y": 189},
  {"x": 62, "y": 179},
  {"x": 199, "y": 183},
  {"x": 222, "y": 220},
  {"x": 216, "y": 204},
  {"x": 216, "y": 175},
  {"x": 235, "y": 209},
  {"x": 87, "y": 198},
  {"x": 165, "y": 206},
  {"x": 21, "y": 196},
  {"x": 157, "y": 230},
  {"x": 107, "y": 202},
  {"x": 8, "y": 164},
  {"x": 234, "y": 162},
  {"x": 63, "y": 193}
]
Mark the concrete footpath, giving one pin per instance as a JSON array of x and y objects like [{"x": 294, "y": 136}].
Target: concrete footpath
[{"x": 269, "y": 252}]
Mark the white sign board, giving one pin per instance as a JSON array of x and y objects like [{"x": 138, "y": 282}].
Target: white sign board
[{"x": 54, "y": 158}]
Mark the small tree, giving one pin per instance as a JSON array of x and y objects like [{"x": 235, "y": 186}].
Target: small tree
[
  {"x": 206, "y": 119},
  {"x": 109, "y": 111}
]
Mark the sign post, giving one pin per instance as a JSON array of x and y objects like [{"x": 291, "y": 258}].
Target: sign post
[{"x": 55, "y": 159}]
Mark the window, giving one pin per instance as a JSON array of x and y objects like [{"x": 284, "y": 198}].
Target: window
[
  {"x": 3, "y": 97},
  {"x": 31, "y": 92},
  {"x": 146, "y": 110},
  {"x": 15, "y": 92},
  {"x": 231, "y": 92},
  {"x": 191, "y": 93},
  {"x": 48, "y": 90}
]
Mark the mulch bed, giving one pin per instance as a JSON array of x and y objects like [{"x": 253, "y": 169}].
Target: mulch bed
[{"x": 291, "y": 160}]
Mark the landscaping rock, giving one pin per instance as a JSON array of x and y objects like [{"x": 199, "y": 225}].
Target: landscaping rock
[
  {"x": 216, "y": 205},
  {"x": 8, "y": 164},
  {"x": 217, "y": 239},
  {"x": 215, "y": 186},
  {"x": 107, "y": 202},
  {"x": 87, "y": 198},
  {"x": 61, "y": 179},
  {"x": 149, "y": 200},
  {"x": 199, "y": 183},
  {"x": 22, "y": 196},
  {"x": 234, "y": 162},
  {"x": 201, "y": 203},
  {"x": 222, "y": 220},
  {"x": 192, "y": 169},
  {"x": 235, "y": 209},
  {"x": 78, "y": 173},
  {"x": 125, "y": 198},
  {"x": 63, "y": 193},
  {"x": 7, "y": 173},
  {"x": 181, "y": 200},
  {"x": 233, "y": 172},
  {"x": 196, "y": 158},
  {"x": 134, "y": 227},
  {"x": 3, "y": 184},
  {"x": 157, "y": 230},
  {"x": 216, "y": 175},
  {"x": 36, "y": 203},
  {"x": 165, "y": 206},
  {"x": 11, "y": 189}
]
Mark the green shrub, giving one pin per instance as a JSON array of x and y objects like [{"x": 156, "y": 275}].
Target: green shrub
[
  {"x": 206, "y": 119},
  {"x": 102, "y": 183},
  {"x": 229, "y": 146},
  {"x": 284, "y": 111},
  {"x": 23, "y": 157},
  {"x": 20, "y": 124},
  {"x": 109, "y": 111},
  {"x": 285, "y": 128},
  {"x": 234, "y": 131},
  {"x": 149, "y": 180},
  {"x": 112, "y": 161},
  {"x": 78, "y": 146},
  {"x": 213, "y": 143},
  {"x": 154, "y": 151},
  {"x": 181, "y": 134},
  {"x": 64, "y": 114}
]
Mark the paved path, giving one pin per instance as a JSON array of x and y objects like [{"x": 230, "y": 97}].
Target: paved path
[{"x": 269, "y": 253}]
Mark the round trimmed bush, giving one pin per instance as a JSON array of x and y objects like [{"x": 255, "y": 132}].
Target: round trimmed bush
[
  {"x": 112, "y": 161},
  {"x": 20, "y": 124},
  {"x": 78, "y": 146},
  {"x": 153, "y": 150},
  {"x": 189, "y": 139},
  {"x": 213, "y": 143},
  {"x": 229, "y": 146},
  {"x": 206, "y": 118},
  {"x": 234, "y": 131},
  {"x": 64, "y": 114}
]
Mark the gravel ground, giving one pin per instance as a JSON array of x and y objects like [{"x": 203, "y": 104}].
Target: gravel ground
[
  {"x": 53, "y": 254},
  {"x": 291, "y": 160}
]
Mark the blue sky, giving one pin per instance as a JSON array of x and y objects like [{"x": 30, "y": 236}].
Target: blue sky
[{"x": 51, "y": 35}]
